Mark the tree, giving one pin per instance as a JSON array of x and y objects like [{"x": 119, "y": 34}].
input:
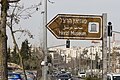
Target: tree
[
  {"x": 84, "y": 58},
  {"x": 25, "y": 53},
  {"x": 14, "y": 18},
  {"x": 25, "y": 50},
  {"x": 13, "y": 56},
  {"x": 39, "y": 58},
  {"x": 96, "y": 60},
  {"x": 3, "y": 41}
]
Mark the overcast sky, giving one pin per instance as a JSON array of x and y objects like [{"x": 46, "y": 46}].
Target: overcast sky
[{"x": 82, "y": 7}]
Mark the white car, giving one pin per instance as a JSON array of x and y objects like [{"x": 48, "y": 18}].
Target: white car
[
  {"x": 81, "y": 74},
  {"x": 113, "y": 76}
]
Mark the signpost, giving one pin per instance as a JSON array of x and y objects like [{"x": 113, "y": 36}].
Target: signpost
[{"x": 81, "y": 27}]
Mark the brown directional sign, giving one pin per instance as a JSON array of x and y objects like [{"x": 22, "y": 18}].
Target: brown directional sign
[{"x": 82, "y": 27}]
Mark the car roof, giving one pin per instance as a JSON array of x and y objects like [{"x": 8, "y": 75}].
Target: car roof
[
  {"x": 114, "y": 74},
  {"x": 14, "y": 76},
  {"x": 62, "y": 74}
]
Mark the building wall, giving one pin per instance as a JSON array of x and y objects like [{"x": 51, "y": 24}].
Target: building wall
[{"x": 65, "y": 55}]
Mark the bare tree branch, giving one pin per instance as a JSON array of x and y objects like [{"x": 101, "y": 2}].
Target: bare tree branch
[
  {"x": 24, "y": 31},
  {"x": 51, "y": 1}
]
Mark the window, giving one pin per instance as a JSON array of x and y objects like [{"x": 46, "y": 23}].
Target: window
[
  {"x": 116, "y": 77},
  {"x": 108, "y": 78}
]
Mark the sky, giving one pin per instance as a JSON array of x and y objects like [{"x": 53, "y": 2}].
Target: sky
[{"x": 81, "y": 7}]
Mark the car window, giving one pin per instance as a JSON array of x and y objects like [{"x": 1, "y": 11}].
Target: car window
[
  {"x": 108, "y": 78},
  {"x": 116, "y": 77}
]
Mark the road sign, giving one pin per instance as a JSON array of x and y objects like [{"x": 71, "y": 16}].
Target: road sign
[{"x": 82, "y": 27}]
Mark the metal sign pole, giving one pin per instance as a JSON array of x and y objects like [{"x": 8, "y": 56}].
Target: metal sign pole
[
  {"x": 109, "y": 60},
  {"x": 104, "y": 43},
  {"x": 45, "y": 41}
]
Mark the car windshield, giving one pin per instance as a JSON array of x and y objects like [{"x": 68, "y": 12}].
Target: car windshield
[
  {"x": 82, "y": 73},
  {"x": 63, "y": 76},
  {"x": 116, "y": 77}
]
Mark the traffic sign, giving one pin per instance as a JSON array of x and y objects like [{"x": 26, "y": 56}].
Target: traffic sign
[{"x": 82, "y": 27}]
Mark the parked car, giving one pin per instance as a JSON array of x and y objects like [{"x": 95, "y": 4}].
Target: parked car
[
  {"x": 81, "y": 74},
  {"x": 64, "y": 76},
  {"x": 30, "y": 75},
  {"x": 113, "y": 76},
  {"x": 14, "y": 76}
]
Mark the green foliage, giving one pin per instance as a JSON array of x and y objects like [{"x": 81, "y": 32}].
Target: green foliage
[
  {"x": 49, "y": 58},
  {"x": 26, "y": 54},
  {"x": 25, "y": 50},
  {"x": 13, "y": 56},
  {"x": 31, "y": 58},
  {"x": 8, "y": 54}
]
